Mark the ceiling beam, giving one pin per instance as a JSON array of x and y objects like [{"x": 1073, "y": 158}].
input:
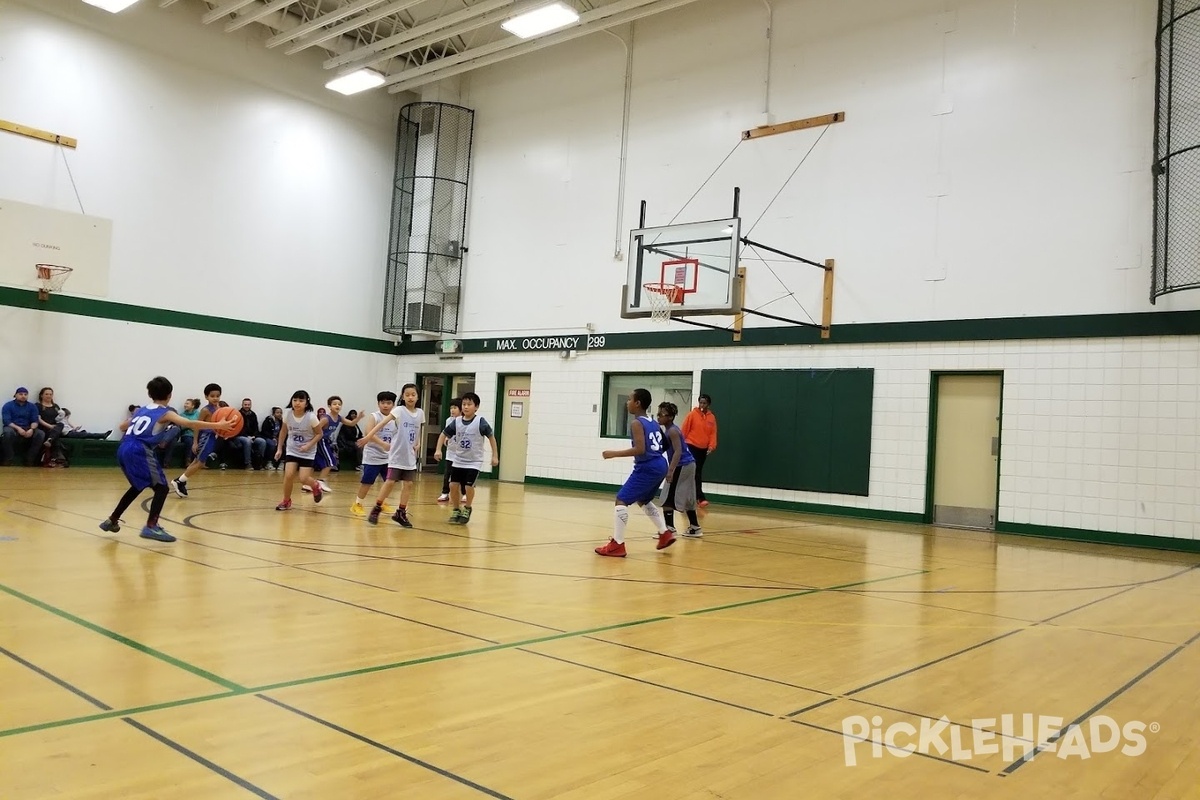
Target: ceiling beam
[
  {"x": 596, "y": 20},
  {"x": 243, "y": 20},
  {"x": 221, "y": 11},
  {"x": 362, "y": 54},
  {"x": 334, "y": 16}
]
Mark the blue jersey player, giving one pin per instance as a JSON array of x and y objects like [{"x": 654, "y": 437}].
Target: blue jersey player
[
  {"x": 204, "y": 445},
  {"x": 649, "y": 469},
  {"x": 144, "y": 430}
]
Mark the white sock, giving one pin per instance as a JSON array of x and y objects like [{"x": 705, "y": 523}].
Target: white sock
[
  {"x": 621, "y": 519},
  {"x": 182, "y": 479},
  {"x": 655, "y": 515}
]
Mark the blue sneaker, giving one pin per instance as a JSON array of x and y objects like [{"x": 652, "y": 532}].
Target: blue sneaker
[
  {"x": 108, "y": 526},
  {"x": 157, "y": 534}
]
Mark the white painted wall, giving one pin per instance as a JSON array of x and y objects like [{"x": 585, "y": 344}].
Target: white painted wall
[
  {"x": 237, "y": 184},
  {"x": 1097, "y": 434},
  {"x": 98, "y": 367},
  {"x": 994, "y": 161}
]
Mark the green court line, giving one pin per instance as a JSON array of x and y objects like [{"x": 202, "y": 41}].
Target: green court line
[
  {"x": 125, "y": 640},
  {"x": 239, "y": 691}
]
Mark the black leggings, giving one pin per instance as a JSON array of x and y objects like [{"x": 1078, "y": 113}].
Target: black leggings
[
  {"x": 699, "y": 453},
  {"x": 156, "y": 505}
]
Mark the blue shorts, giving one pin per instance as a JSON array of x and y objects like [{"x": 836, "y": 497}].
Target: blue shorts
[
  {"x": 208, "y": 444},
  {"x": 323, "y": 456},
  {"x": 141, "y": 467},
  {"x": 372, "y": 473},
  {"x": 642, "y": 484}
]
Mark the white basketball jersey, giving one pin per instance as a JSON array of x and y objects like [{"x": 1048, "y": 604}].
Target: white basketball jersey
[
  {"x": 373, "y": 454},
  {"x": 408, "y": 428},
  {"x": 299, "y": 433}
]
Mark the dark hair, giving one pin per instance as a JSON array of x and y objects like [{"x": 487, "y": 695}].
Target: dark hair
[
  {"x": 222, "y": 404},
  {"x": 212, "y": 387},
  {"x": 671, "y": 409},
  {"x": 474, "y": 398},
  {"x": 456, "y": 403},
  {"x": 332, "y": 397},
  {"x": 408, "y": 386},
  {"x": 642, "y": 397},
  {"x": 66, "y": 411},
  {"x": 247, "y": 400},
  {"x": 300, "y": 394},
  {"x": 389, "y": 396},
  {"x": 133, "y": 406},
  {"x": 197, "y": 402},
  {"x": 274, "y": 409},
  {"x": 159, "y": 390},
  {"x": 42, "y": 391},
  {"x": 705, "y": 397}
]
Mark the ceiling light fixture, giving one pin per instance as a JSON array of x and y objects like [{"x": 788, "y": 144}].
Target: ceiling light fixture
[
  {"x": 541, "y": 20},
  {"x": 358, "y": 81},
  {"x": 112, "y": 6}
]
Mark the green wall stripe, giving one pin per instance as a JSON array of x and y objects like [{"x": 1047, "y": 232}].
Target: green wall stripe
[
  {"x": 749, "y": 502},
  {"x": 1100, "y": 537},
  {"x": 145, "y": 315},
  {"x": 1017, "y": 528},
  {"x": 1082, "y": 326}
]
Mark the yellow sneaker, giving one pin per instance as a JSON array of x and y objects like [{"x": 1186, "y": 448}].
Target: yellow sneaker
[
  {"x": 388, "y": 509},
  {"x": 358, "y": 510}
]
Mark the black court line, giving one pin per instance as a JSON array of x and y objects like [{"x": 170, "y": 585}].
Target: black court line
[
  {"x": 931, "y": 756},
  {"x": 194, "y": 756},
  {"x": 1025, "y": 759},
  {"x": 376, "y": 611},
  {"x": 113, "y": 539},
  {"x": 992, "y": 640},
  {"x": 381, "y": 746},
  {"x": 645, "y": 682},
  {"x": 490, "y": 614}
]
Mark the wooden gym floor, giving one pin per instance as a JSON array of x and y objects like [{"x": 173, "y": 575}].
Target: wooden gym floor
[{"x": 309, "y": 655}]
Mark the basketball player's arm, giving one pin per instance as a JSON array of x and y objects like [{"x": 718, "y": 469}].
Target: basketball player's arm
[
  {"x": 495, "y": 450},
  {"x": 677, "y": 446},
  {"x": 194, "y": 424},
  {"x": 443, "y": 439},
  {"x": 369, "y": 435},
  {"x": 639, "y": 443}
]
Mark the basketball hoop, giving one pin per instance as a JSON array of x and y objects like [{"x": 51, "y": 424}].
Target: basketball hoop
[
  {"x": 662, "y": 298},
  {"x": 50, "y": 279}
]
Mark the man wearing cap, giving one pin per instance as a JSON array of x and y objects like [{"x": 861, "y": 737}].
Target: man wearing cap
[{"x": 21, "y": 428}]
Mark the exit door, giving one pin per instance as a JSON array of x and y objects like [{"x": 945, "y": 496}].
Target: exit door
[
  {"x": 514, "y": 427},
  {"x": 966, "y": 452}
]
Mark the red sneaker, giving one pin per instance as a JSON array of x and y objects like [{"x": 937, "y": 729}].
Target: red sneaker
[
  {"x": 612, "y": 549},
  {"x": 316, "y": 491},
  {"x": 666, "y": 539},
  {"x": 702, "y": 504},
  {"x": 286, "y": 505}
]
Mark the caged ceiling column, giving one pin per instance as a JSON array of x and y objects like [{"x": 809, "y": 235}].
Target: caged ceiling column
[{"x": 429, "y": 219}]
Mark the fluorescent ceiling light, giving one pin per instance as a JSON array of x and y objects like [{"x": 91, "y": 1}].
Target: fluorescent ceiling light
[
  {"x": 358, "y": 81},
  {"x": 111, "y": 5},
  {"x": 541, "y": 20}
]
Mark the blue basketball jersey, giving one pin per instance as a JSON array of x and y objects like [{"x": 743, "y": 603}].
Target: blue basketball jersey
[
  {"x": 685, "y": 454},
  {"x": 653, "y": 434},
  {"x": 144, "y": 426}
]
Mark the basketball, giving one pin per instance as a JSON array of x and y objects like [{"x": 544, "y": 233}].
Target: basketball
[{"x": 225, "y": 413}]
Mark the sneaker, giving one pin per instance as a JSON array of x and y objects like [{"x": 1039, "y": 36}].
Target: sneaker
[
  {"x": 305, "y": 488},
  {"x": 466, "y": 515},
  {"x": 357, "y": 509},
  {"x": 443, "y": 498},
  {"x": 317, "y": 492},
  {"x": 457, "y": 518},
  {"x": 179, "y": 486},
  {"x": 401, "y": 517},
  {"x": 389, "y": 509},
  {"x": 324, "y": 486},
  {"x": 666, "y": 539},
  {"x": 157, "y": 534},
  {"x": 108, "y": 526},
  {"x": 702, "y": 504},
  {"x": 693, "y": 532},
  {"x": 286, "y": 505},
  {"x": 373, "y": 517},
  {"x": 612, "y": 549}
]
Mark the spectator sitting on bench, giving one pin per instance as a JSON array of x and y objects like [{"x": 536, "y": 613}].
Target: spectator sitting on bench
[
  {"x": 50, "y": 420},
  {"x": 251, "y": 445},
  {"x": 21, "y": 427}
]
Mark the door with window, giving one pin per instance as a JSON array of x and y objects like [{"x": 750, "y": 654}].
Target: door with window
[{"x": 513, "y": 427}]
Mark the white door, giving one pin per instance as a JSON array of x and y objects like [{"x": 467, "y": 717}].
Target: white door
[
  {"x": 967, "y": 450},
  {"x": 514, "y": 428}
]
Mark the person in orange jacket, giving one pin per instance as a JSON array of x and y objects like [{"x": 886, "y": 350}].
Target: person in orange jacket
[{"x": 700, "y": 433}]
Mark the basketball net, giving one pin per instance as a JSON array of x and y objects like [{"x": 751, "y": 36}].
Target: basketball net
[
  {"x": 50, "y": 279},
  {"x": 662, "y": 299}
]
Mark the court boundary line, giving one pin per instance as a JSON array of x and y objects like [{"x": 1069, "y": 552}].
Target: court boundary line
[{"x": 241, "y": 691}]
